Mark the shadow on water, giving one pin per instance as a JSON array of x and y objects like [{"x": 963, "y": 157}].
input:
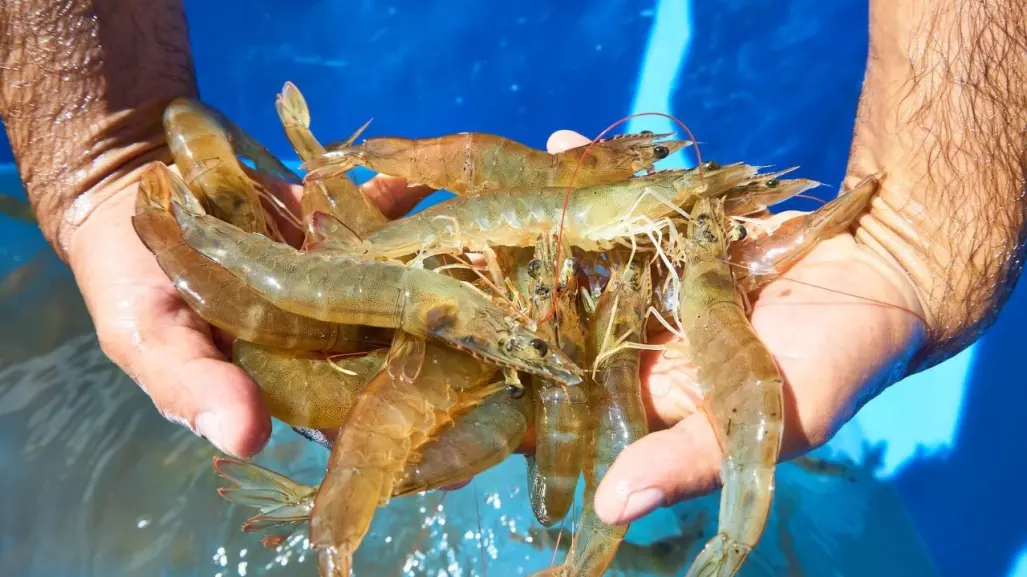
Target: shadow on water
[{"x": 970, "y": 500}]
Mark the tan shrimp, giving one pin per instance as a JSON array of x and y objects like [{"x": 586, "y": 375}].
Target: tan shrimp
[
  {"x": 307, "y": 389},
  {"x": 389, "y": 421},
  {"x": 473, "y": 162},
  {"x": 597, "y": 217},
  {"x": 205, "y": 157},
  {"x": 478, "y": 439},
  {"x": 741, "y": 389},
  {"x": 617, "y": 412},
  {"x": 335, "y": 195},
  {"x": 338, "y": 288},
  {"x": 217, "y": 296},
  {"x": 561, "y": 413},
  {"x": 764, "y": 257}
]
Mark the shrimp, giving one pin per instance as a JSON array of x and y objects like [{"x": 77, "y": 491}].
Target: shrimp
[
  {"x": 478, "y": 439},
  {"x": 741, "y": 388},
  {"x": 306, "y": 389},
  {"x": 217, "y": 296},
  {"x": 204, "y": 155},
  {"x": 473, "y": 162},
  {"x": 764, "y": 258},
  {"x": 615, "y": 400},
  {"x": 561, "y": 413},
  {"x": 764, "y": 191},
  {"x": 388, "y": 422},
  {"x": 597, "y": 217},
  {"x": 337, "y": 195},
  {"x": 338, "y": 288}
]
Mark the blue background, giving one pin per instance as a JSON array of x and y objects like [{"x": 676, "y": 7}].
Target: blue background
[{"x": 771, "y": 83}]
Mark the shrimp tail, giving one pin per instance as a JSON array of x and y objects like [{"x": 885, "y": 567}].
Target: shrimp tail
[
  {"x": 721, "y": 557},
  {"x": 338, "y": 159},
  {"x": 281, "y": 501}
]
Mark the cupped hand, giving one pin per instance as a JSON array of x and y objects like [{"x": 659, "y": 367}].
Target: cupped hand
[
  {"x": 149, "y": 331},
  {"x": 842, "y": 324}
]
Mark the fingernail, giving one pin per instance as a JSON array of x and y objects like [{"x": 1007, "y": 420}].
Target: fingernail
[
  {"x": 208, "y": 425},
  {"x": 641, "y": 502}
]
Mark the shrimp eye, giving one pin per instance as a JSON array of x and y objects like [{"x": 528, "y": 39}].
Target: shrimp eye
[
  {"x": 660, "y": 151},
  {"x": 534, "y": 267},
  {"x": 646, "y": 133},
  {"x": 711, "y": 165},
  {"x": 515, "y": 392},
  {"x": 772, "y": 183},
  {"x": 702, "y": 219},
  {"x": 741, "y": 233},
  {"x": 540, "y": 346}
]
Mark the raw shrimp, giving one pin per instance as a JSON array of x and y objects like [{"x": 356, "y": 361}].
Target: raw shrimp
[
  {"x": 762, "y": 258},
  {"x": 597, "y": 217},
  {"x": 763, "y": 191},
  {"x": 342, "y": 289},
  {"x": 615, "y": 401},
  {"x": 561, "y": 413},
  {"x": 478, "y": 439},
  {"x": 336, "y": 195},
  {"x": 307, "y": 389},
  {"x": 204, "y": 155},
  {"x": 473, "y": 162},
  {"x": 389, "y": 421},
  {"x": 216, "y": 295},
  {"x": 741, "y": 389}
]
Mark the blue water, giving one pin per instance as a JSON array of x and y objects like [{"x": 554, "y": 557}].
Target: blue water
[{"x": 766, "y": 82}]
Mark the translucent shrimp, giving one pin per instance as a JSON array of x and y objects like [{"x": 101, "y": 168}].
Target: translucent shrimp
[
  {"x": 216, "y": 295},
  {"x": 389, "y": 421},
  {"x": 741, "y": 389},
  {"x": 618, "y": 415},
  {"x": 341, "y": 289},
  {"x": 561, "y": 413},
  {"x": 205, "y": 157},
  {"x": 765, "y": 257},
  {"x": 597, "y": 217},
  {"x": 479, "y": 439},
  {"x": 336, "y": 195},
  {"x": 473, "y": 162},
  {"x": 307, "y": 389}
]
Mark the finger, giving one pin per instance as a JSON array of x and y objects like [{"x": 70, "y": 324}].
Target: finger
[
  {"x": 562, "y": 140},
  {"x": 660, "y": 469},
  {"x": 392, "y": 195}
]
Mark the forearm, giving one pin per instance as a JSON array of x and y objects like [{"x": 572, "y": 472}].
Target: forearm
[
  {"x": 83, "y": 85},
  {"x": 943, "y": 117}
]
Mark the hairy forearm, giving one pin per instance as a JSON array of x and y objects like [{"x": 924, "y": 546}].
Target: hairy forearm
[
  {"x": 943, "y": 117},
  {"x": 82, "y": 88}
]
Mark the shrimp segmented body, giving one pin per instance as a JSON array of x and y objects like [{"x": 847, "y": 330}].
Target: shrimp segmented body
[
  {"x": 307, "y": 389},
  {"x": 618, "y": 415},
  {"x": 204, "y": 155},
  {"x": 741, "y": 388},
  {"x": 389, "y": 421},
  {"x": 561, "y": 413},
  {"x": 473, "y": 162},
  {"x": 338, "y": 288},
  {"x": 597, "y": 217},
  {"x": 215, "y": 294}
]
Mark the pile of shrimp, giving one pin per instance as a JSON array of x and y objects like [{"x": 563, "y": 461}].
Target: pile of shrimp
[{"x": 423, "y": 350}]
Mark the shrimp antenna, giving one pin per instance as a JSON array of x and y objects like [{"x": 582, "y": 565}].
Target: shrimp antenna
[{"x": 577, "y": 167}]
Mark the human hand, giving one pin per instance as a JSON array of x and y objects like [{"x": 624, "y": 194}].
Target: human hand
[
  {"x": 149, "y": 331},
  {"x": 837, "y": 347}
]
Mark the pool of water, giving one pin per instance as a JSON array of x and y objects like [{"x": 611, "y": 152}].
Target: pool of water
[{"x": 925, "y": 479}]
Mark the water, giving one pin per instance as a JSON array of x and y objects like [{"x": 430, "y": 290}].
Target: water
[{"x": 97, "y": 484}]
